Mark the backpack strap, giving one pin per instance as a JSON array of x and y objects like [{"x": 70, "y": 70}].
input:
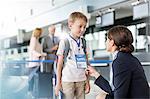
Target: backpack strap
[
  {"x": 84, "y": 44},
  {"x": 67, "y": 48},
  {"x": 84, "y": 49}
]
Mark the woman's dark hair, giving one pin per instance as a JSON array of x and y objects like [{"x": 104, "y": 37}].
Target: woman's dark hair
[{"x": 122, "y": 37}]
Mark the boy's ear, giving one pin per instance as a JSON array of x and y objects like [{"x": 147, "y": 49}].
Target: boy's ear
[{"x": 70, "y": 24}]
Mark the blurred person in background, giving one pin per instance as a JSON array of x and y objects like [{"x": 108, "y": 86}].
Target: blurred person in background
[
  {"x": 35, "y": 54},
  {"x": 128, "y": 78},
  {"x": 50, "y": 46}
]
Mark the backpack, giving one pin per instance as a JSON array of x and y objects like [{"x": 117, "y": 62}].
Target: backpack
[{"x": 67, "y": 46}]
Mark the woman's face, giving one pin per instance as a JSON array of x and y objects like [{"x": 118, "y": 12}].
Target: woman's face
[
  {"x": 109, "y": 44},
  {"x": 38, "y": 34}
]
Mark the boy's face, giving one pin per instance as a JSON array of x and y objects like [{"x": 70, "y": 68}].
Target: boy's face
[{"x": 78, "y": 27}]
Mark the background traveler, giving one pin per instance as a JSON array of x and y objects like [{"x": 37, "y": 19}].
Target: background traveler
[
  {"x": 50, "y": 46},
  {"x": 35, "y": 53}
]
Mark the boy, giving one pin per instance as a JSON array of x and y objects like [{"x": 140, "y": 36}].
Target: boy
[{"x": 71, "y": 77}]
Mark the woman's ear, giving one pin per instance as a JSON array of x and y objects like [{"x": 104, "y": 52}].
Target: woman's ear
[{"x": 112, "y": 43}]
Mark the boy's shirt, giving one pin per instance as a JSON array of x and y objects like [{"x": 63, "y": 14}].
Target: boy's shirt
[{"x": 70, "y": 71}]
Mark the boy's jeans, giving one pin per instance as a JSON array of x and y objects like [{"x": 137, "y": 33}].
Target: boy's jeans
[{"x": 73, "y": 89}]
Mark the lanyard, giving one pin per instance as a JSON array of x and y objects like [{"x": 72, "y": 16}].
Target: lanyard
[{"x": 77, "y": 41}]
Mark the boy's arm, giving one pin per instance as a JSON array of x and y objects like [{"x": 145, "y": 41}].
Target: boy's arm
[
  {"x": 59, "y": 68},
  {"x": 59, "y": 73},
  {"x": 87, "y": 83}
]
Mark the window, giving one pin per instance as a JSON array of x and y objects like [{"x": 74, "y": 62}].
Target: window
[
  {"x": 102, "y": 37},
  {"x": 12, "y": 52},
  {"x": 25, "y": 50},
  {"x": 19, "y": 50}
]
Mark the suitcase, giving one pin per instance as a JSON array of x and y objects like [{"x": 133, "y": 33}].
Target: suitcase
[{"x": 43, "y": 87}]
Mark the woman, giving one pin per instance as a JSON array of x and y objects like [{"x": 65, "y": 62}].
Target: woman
[
  {"x": 35, "y": 53},
  {"x": 128, "y": 78}
]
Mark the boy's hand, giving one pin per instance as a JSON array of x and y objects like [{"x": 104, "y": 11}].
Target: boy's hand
[
  {"x": 57, "y": 89},
  {"x": 87, "y": 87}
]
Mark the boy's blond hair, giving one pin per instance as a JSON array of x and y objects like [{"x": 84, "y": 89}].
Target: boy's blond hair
[{"x": 77, "y": 15}]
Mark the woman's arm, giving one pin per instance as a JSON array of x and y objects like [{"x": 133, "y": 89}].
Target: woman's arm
[
  {"x": 100, "y": 81},
  {"x": 104, "y": 85}
]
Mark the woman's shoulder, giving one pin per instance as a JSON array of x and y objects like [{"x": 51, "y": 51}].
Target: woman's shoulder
[
  {"x": 124, "y": 56},
  {"x": 33, "y": 38},
  {"x": 124, "y": 62}
]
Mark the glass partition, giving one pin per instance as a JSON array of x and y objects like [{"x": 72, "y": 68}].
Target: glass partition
[{"x": 102, "y": 39}]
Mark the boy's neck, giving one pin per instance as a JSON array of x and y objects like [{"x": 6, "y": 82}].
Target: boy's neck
[{"x": 75, "y": 37}]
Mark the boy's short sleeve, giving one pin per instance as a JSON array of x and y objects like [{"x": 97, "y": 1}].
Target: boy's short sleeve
[{"x": 61, "y": 47}]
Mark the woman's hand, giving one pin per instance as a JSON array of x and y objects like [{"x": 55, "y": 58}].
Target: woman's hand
[
  {"x": 44, "y": 54},
  {"x": 92, "y": 72}
]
